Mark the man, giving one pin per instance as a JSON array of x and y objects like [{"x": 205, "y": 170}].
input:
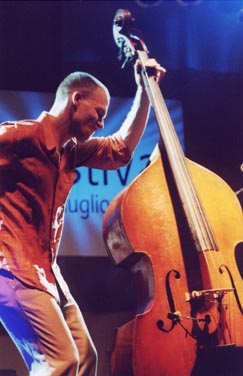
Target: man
[{"x": 37, "y": 163}]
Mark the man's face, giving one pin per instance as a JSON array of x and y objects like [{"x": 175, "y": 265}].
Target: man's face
[{"x": 90, "y": 114}]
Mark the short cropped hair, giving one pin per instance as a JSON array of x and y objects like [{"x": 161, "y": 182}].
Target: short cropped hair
[{"x": 79, "y": 80}]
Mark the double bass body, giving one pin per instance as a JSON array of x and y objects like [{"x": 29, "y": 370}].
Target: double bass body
[{"x": 171, "y": 334}]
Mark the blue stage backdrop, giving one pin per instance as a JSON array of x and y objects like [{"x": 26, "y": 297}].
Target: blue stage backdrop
[{"x": 93, "y": 189}]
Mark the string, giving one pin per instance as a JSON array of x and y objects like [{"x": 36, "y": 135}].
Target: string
[{"x": 198, "y": 223}]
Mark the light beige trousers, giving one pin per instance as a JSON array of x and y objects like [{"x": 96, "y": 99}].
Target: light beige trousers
[{"x": 52, "y": 338}]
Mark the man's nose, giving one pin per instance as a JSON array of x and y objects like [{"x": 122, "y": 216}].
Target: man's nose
[{"x": 100, "y": 123}]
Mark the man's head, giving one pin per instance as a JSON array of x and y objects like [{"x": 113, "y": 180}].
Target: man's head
[
  {"x": 76, "y": 81},
  {"x": 86, "y": 99}
]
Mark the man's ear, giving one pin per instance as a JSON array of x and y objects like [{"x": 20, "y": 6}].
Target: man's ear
[{"x": 76, "y": 97}]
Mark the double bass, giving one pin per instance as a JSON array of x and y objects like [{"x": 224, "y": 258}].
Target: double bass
[{"x": 178, "y": 228}]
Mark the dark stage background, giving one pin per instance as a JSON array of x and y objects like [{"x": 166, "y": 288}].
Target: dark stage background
[{"x": 199, "y": 42}]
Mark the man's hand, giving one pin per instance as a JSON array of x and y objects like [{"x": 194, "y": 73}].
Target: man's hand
[{"x": 151, "y": 64}]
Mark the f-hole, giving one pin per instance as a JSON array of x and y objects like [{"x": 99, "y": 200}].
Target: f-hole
[{"x": 239, "y": 257}]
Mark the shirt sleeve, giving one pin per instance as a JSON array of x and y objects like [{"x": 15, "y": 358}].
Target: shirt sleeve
[
  {"x": 107, "y": 153},
  {"x": 15, "y": 132},
  {"x": 8, "y": 133}
]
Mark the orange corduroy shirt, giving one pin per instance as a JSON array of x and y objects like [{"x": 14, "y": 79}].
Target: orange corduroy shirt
[{"x": 35, "y": 181}]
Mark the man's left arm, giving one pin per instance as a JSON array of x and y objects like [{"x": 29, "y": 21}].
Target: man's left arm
[{"x": 133, "y": 127}]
